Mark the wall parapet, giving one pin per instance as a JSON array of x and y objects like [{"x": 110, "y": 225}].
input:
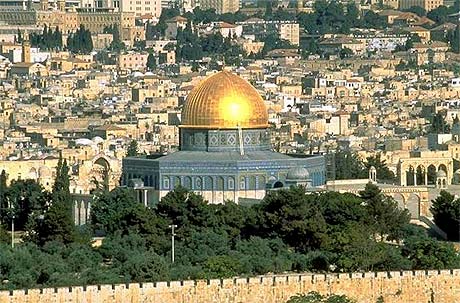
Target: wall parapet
[{"x": 396, "y": 286}]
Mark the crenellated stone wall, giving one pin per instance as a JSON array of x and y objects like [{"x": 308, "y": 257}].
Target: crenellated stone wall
[{"x": 402, "y": 287}]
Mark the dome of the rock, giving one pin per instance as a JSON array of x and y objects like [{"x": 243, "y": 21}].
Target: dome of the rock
[{"x": 224, "y": 101}]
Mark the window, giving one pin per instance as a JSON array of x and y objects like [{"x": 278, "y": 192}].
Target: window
[
  {"x": 242, "y": 183},
  {"x": 166, "y": 183},
  {"x": 231, "y": 183}
]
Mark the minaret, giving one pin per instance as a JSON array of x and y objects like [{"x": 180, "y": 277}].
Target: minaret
[{"x": 26, "y": 48}]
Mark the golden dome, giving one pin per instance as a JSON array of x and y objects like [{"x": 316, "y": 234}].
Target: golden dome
[{"x": 224, "y": 101}]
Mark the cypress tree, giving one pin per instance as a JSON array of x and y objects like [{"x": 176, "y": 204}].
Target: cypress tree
[
  {"x": 3, "y": 190},
  {"x": 19, "y": 37},
  {"x": 57, "y": 223},
  {"x": 151, "y": 62}
]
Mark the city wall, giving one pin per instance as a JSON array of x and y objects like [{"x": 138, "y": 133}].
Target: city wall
[{"x": 408, "y": 287}]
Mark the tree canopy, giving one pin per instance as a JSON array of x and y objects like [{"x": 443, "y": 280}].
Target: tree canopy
[
  {"x": 446, "y": 213},
  {"x": 47, "y": 40},
  {"x": 80, "y": 42},
  {"x": 290, "y": 230}
]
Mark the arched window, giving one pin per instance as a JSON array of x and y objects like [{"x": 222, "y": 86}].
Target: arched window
[
  {"x": 242, "y": 183},
  {"x": 198, "y": 183},
  {"x": 165, "y": 182},
  {"x": 252, "y": 182},
  {"x": 231, "y": 183},
  {"x": 176, "y": 182},
  {"x": 220, "y": 183},
  {"x": 187, "y": 182},
  {"x": 208, "y": 183}
]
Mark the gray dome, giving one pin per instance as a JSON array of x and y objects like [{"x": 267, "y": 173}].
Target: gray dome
[
  {"x": 298, "y": 173},
  {"x": 455, "y": 129},
  {"x": 441, "y": 173}
]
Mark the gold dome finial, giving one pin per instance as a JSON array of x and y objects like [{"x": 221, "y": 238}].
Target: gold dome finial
[{"x": 224, "y": 101}]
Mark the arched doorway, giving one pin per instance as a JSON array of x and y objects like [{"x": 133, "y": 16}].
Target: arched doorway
[
  {"x": 431, "y": 175},
  {"x": 413, "y": 206},
  {"x": 100, "y": 174},
  {"x": 400, "y": 200},
  {"x": 410, "y": 176},
  {"x": 278, "y": 184},
  {"x": 442, "y": 167},
  {"x": 420, "y": 175}
]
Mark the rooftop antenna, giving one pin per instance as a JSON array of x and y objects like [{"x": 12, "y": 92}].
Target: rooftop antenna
[{"x": 240, "y": 140}]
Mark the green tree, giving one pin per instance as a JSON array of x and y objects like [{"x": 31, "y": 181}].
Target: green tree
[
  {"x": 385, "y": 218},
  {"x": 439, "y": 124},
  {"x": 273, "y": 41},
  {"x": 80, "y": 42},
  {"x": 151, "y": 61},
  {"x": 440, "y": 14},
  {"x": 412, "y": 39},
  {"x": 19, "y": 36},
  {"x": 348, "y": 166},
  {"x": 187, "y": 210},
  {"x": 268, "y": 10},
  {"x": 27, "y": 198},
  {"x": 293, "y": 216},
  {"x": 373, "y": 20},
  {"x": 47, "y": 40},
  {"x": 426, "y": 253},
  {"x": 116, "y": 45},
  {"x": 3, "y": 192},
  {"x": 133, "y": 149},
  {"x": 446, "y": 213},
  {"x": 454, "y": 38},
  {"x": 57, "y": 39},
  {"x": 352, "y": 14},
  {"x": 345, "y": 53},
  {"x": 383, "y": 172},
  {"x": 222, "y": 267},
  {"x": 259, "y": 256},
  {"x": 420, "y": 11},
  {"x": 118, "y": 211},
  {"x": 56, "y": 223}
]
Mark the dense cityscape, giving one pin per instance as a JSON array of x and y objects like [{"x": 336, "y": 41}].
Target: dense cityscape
[{"x": 228, "y": 143}]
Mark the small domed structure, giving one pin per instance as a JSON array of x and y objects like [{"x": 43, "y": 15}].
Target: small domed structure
[
  {"x": 298, "y": 173},
  {"x": 373, "y": 174},
  {"x": 441, "y": 174},
  {"x": 441, "y": 179},
  {"x": 457, "y": 177},
  {"x": 298, "y": 176}
]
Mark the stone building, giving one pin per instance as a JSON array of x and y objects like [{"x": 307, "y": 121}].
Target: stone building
[
  {"x": 132, "y": 61},
  {"x": 290, "y": 32},
  {"x": 434, "y": 52},
  {"x": 225, "y": 149},
  {"x": 70, "y": 20},
  {"x": 427, "y": 5},
  {"x": 221, "y": 6}
]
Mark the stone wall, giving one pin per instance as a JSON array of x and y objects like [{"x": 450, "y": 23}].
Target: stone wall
[{"x": 408, "y": 287}]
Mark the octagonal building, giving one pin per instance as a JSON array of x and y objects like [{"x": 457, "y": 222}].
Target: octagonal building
[{"x": 225, "y": 149}]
